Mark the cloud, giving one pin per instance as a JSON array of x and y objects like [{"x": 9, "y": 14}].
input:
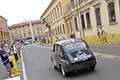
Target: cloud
[{"x": 19, "y": 10}]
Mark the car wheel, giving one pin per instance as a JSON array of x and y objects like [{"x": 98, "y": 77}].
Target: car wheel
[
  {"x": 92, "y": 68},
  {"x": 65, "y": 74}
]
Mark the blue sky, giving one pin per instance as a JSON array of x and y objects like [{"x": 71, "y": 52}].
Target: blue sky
[{"x": 16, "y": 11}]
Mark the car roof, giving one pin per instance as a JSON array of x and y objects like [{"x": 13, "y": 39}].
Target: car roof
[{"x": 62, "y": 42}]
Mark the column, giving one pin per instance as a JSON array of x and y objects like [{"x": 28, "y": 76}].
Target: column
[
  {"x": 73, "y": 24},
  {"x": 93, "y": 18},
  {"x": 104, "y": 13},
  {"x": 85, "y": 20},
  {"x": 117, "y": 10},
  {"x": 31, "y": 29}
]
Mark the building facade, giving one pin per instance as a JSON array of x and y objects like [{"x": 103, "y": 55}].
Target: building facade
[
  {"x": 54, "y": 16},
  {"x": 22, "y": 31},
  {"x": 83, "y": 18},
  {"x": 4, "y": 32}
]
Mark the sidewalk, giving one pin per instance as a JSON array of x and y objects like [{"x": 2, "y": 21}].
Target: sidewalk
[
  {"x": 113, "y": 49},
  {"x": 3, "y": 71}
]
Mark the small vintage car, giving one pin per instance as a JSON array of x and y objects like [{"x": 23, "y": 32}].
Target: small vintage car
[{"x": 72, "y": 55}]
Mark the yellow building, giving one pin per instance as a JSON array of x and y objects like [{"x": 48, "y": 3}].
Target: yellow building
[
  {"x": 22, "y": 31},
  {"x": 54, "y": 16},
  {"x": 4, "y": 32},
  {"x": 83, "y": 18}
]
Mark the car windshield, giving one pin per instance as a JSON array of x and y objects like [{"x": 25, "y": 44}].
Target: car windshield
[{"x": 75, "y": 46}]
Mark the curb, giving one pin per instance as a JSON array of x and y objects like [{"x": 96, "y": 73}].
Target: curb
[
  {"x": 23, "y": 67},
  {"x": 109, "y": 56},
  {"x": 107, "y": 45}
]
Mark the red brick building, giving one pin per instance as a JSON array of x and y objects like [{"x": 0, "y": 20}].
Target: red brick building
[{"x": 4, "y": 32}]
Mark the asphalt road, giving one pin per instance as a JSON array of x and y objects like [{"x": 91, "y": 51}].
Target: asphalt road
[
  {"x": 114, "y": 49},
  {"x": 38, "y": 66}
]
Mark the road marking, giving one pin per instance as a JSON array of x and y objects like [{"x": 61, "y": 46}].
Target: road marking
[
  {"x": 45, "y": 47},
  {"x": 23, "y": 68},
  {"x": 15, "y": 78},
  {"x": 109, "y": 56}
]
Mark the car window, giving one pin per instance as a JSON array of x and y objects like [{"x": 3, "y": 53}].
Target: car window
[
  {"x": 60, "y": 50},
  {"x": 56, "y": 48},
  {"x": 75, "y": 46}
]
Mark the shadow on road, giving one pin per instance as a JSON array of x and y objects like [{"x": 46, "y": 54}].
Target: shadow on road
[{"x": 81, "y": 73}]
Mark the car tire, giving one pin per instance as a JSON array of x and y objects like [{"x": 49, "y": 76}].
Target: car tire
[
  {"x": 92, "y": 68},
  {"x": 64, "y": 73}
]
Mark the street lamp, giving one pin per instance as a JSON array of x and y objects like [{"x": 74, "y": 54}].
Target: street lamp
[{"x": 31, "y": 30}]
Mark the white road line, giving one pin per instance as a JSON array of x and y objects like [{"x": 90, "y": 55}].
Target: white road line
[
  {"x": 109, "y": 56},
  {"x": 45, "y": 47},
  {"x": 15, "y": 78},
  {"x": 23, "y": 68}
]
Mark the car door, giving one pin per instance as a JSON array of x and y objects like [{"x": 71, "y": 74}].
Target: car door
[
  {"x": 56, "y": 46},
  {"x": 60, "y": 55}
]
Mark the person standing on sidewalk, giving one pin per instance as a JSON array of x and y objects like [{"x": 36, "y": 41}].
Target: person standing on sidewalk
[
  {"x": 9, "y": 52},
  {"x": 103, "y": 36},
  {"x": 5, "y": 60},
  {"x": 18, "y": 49},
  {"x": 15, "y": 51},
  {"x": 98, "y": 33},
  {"x": 14, "y": 57}
]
